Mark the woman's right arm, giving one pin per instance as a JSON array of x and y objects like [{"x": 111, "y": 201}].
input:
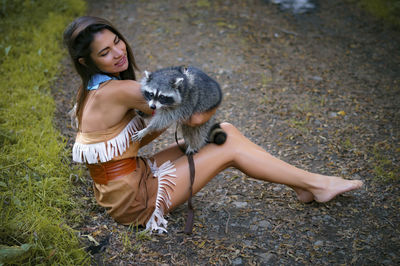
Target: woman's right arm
[{"x": 130, "y": 96}]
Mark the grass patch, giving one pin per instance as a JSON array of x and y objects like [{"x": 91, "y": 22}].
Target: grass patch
[
  {"x": 298, "y": 124},
  {"x": 387, "y": 10},
  {"x": 384, "y": 168},
  {"x": 35, "y": 191},
  {"x": 132, "y": 239}
]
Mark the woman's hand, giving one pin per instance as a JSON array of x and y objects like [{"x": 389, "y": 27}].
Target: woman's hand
[{"x": 198, "y": 119}]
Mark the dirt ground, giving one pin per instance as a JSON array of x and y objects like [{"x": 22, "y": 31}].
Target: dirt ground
[{"x": 319, "y": 90}]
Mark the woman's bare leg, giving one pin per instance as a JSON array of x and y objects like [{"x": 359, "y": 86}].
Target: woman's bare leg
[
  {"x": 171, "y": 153},
  {"x": 241, "y": 153},
  {"x": 303, "y": 195}
]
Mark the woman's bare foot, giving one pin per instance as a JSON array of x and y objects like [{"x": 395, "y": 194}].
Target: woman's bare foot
[
  {"x": 331, "y": 186},
  {"x": 303, "y": 195}
]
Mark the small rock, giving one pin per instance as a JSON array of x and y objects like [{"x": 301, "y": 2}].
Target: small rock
[
  {"x": 318, "y": 243},
  {"x": 328, "y": 218},
  {"x": 253, "y": 227},
  {"x": 266, "y": 257},
  {"x": 316, "y": 78},
  {"x": 387, "y": 262},
  {"x": 240, "y": 204},
  {"x": 237, "y": 261},
  {"x": 332, "y": 114},
  {"x": 264, "y": 224},
  {"x": 247, "y": 242},
  {"x": 277, "y": 188}
]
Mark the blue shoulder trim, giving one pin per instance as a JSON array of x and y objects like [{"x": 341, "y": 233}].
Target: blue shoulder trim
[{"x": 97, "y": 79}]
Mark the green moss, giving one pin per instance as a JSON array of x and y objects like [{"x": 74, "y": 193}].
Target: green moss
[
  {"x": 384, "y": 168},
  {"x": 387, "y": 10},
  {"x": 35, "y": 192},
  {"x": 347, "y": 144}
]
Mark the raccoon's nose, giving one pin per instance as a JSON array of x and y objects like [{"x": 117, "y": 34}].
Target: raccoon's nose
[{"x": 153, "y": 106}]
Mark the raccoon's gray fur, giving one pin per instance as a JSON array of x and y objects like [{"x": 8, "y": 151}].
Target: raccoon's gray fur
[{"x": 176, "y": 93}]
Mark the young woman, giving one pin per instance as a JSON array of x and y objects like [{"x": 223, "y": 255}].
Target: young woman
[{"x": 141, "y": 190}]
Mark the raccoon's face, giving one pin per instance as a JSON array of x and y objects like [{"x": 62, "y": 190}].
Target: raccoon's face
[
  {"x": 158, "y": 99},
  {"x": 162, "y": 89}
]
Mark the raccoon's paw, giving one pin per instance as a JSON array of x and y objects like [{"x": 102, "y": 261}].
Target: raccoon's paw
[{"x": 138, "y": 135}]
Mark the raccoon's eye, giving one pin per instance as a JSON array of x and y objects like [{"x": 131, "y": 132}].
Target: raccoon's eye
[
  {"x": 166, "y": 100},
  {"x": 148, "y": 95}
]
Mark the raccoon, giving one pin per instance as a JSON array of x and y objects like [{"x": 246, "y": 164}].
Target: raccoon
[{"x": 175, "y": 94}]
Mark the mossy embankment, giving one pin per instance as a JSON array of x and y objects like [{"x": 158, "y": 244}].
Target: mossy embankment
[
  {"x": 36, "y": 204},
  {"x": 386, "y": 10}
]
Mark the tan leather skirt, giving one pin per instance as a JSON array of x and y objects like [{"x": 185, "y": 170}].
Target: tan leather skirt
[{"x": 140, "y": 197}]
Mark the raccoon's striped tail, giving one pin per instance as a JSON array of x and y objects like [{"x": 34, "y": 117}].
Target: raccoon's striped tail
[{"x": 217, "y": 135}]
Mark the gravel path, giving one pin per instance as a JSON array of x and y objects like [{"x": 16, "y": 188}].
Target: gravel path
[{"x": 319, "y": 90}]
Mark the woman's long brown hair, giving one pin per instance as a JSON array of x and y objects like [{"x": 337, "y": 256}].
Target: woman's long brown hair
[{"x": 77, "y": 37}]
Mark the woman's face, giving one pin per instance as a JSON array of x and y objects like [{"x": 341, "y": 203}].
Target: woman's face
[{"x": 108, "y": 52}]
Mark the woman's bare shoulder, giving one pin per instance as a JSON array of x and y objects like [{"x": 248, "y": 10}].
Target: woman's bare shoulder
[
  {"x": 126, "y": 93},
  {"x": 122, "y": 86}
]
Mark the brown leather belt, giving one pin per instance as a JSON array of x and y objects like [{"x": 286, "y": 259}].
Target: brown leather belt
[{"x": 104, "y": 172}]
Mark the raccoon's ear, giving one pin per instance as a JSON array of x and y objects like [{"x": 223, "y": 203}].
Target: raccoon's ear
[
  {"x": 184, "y": 70},
  {"x": 178, "y": 82},
  {"x": 148, "y": 75}
]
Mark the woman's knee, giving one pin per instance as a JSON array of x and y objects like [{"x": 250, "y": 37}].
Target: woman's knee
[
  {"x": 230, "y": 129},
  {"x": 234, "y": 136}
]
